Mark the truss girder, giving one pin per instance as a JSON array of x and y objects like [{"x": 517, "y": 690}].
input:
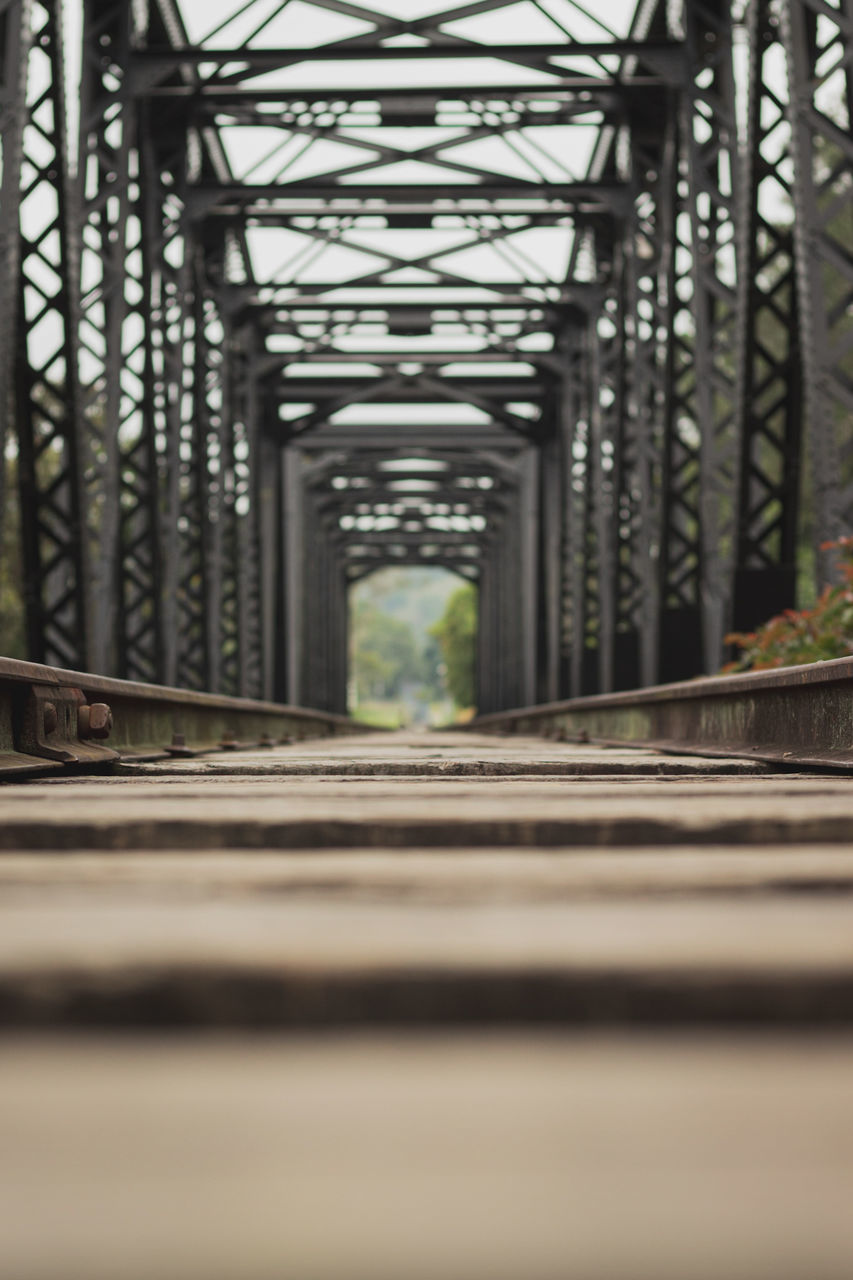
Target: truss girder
[
  {"x": 818, "y": 41},
  {"x": 243, "y": 289},
  {"x": 770, "y": 398},
  {"x": 51, "y": 436},
  {"x": 710, "y": 127},
  {"x": 15, "y": 42}
]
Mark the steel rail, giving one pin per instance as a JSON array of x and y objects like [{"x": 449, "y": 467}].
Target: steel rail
[
  {"x": 52, "y": 719},
  {"x": 791, "y": 716}
]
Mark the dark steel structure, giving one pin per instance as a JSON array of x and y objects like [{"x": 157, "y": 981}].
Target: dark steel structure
[{"x": 561, "y": 304}]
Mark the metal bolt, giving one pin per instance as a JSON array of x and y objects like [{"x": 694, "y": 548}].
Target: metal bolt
[
  {"x": 229, "y": 741},
  {"x": 266, "y": 741},
  {"x": 51, "y": 717},
  {"x": 94, "y": 720}
]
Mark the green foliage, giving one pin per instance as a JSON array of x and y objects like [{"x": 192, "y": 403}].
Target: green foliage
[
  {"x": 385, "y": 654},
  {"x": 396, "y": 666},
  {"x": 384, "y": 713},
  {"x": 804, "y": 635},
  {"x": 414, "y": 595},
  {"x": 456, "y": 632}
]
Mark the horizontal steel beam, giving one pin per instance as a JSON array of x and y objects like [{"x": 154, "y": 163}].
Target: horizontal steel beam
[
  {"x": 306, "y": 310},
  {"x": 384, "y": 358},
  {"x": 447, "y": 297},
  {"x": 793, "y": 715},
  {"x": 320, "y": 389},
  {"x": 352, "y": 539},
  {"x": 257, "y": 57},
  {"x": 476, "y": 502},
  {"x": 287, "y": 212},
  {"x": 52, "y": 719},
  {"x": 358, "y": 570},
  {"x": 599, "y": 195},
  {"x": 378, "y": 436},
  {"x": 143, "y": 83},
  {"x": 461, "y": 435},
  {"x": 608, "y": 106}
]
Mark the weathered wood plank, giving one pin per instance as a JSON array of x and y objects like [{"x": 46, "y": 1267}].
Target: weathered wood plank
[
  {"x": 281, "y": 960},
  {"x": 333, "y": 812},
  {"x": 357, "y": 1158}
]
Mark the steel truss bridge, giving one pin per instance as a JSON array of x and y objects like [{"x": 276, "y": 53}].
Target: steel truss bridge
[{"x": 292, "y": 291}]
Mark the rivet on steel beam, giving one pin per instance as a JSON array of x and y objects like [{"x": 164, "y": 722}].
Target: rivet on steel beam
[
  {"x": 94, "y": 720},
  {"x": 51, "y": 717}
]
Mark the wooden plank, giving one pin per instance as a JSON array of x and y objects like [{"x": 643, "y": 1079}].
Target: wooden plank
[
  {"x": 369, "y": 1158},
  {"x": 455, "y": 876},
  {"x": 321, "y": 812},
  {"x": 442, "y": 754},
  {"x": 289, "y": 958}
]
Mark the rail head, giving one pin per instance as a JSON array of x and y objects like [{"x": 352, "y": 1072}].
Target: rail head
[
  {"x": 798, "y": 716},
  {"x": 53, "y": 719}
]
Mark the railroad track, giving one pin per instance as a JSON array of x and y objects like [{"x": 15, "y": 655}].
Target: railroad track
[{"x": 536, "y": 1000}]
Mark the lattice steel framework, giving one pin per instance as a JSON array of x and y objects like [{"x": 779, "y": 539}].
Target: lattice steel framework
[{"x": 557, "y": 300}]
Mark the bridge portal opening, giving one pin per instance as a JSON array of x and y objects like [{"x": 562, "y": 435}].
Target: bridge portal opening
[{"x": 412, "y": 647}]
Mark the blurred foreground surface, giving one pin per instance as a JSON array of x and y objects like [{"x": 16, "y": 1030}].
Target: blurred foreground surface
[{"x": 427, "y": 1006}]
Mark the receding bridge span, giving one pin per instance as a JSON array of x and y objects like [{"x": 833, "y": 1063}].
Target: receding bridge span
[{"x": 261, "y": 267}]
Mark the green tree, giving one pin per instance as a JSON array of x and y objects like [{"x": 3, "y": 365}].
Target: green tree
[
  {"x": 385, "y": 654},
  {"x": 456, "y": 632}
]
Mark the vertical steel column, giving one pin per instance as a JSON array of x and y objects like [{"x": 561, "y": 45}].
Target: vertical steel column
[
  {"x": 159, "y": 500},
  {"x": 574, "y": 403},
  {"x": 818, "y": 38},
  {"x": 295, "y": 545},
  {"x": 15, "y": 40},
  {"x": 250, "y": 549},
  {"x": 619, "y": 551},
  {"x": 676, "y": 452},
  {"x": 770, "y": 389},
  {"x": 509, "y": 681},
  {"x": 107, "y": 191},
  {"x": 649, "y": 264},
  {"x": 189, "y": 526},
  {"x": 50, "y": 424},
  {"x": 710, "y": 135},
  {"x": 681, "y": 558},
  {"x": 211, "y": 412},
  {"x": 318, "y": 609},
  {"x": 600, "y": 473},
  {"x": 340, "y": 634},
  {"x": 267, "y": 493},
  {"x": 232, "y": 638},
  {"x": 485, "y": 670},
  {"x": 528, "y": 577},
  {"x": 550, "y": 570}
]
